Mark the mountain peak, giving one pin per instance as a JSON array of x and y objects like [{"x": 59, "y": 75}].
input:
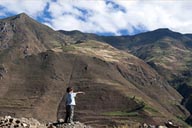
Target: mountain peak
[
  {"x": 163, "y": 29},
  {"x": 24, "y": 29},
  {"x": 159, "y": 33},
  {"x": 22, "y": 15}
]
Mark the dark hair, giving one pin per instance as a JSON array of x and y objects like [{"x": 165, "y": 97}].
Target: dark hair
[{"x": 69, "y": 89}]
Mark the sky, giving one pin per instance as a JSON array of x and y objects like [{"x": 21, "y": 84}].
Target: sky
[{"x": 105, "y": 17}]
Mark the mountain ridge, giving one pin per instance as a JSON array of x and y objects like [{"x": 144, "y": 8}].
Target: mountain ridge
[
  {"x": 166, "y": 51},
  {"x": 54, "y": 61}
]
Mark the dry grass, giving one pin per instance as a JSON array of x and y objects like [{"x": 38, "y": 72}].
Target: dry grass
[{"x": 101, "y": 50}]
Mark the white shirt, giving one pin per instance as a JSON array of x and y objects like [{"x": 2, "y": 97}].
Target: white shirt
[{"x": 70, "y": 98}]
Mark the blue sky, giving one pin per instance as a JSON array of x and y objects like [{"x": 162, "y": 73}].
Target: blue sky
[{"x": 105, "y": 17}]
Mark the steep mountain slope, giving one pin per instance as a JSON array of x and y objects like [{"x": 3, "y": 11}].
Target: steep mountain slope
[
  {"x": 38, "y": 63},
  {"x": 168, "y": 52},
  {"x": 21, "y": 31}
]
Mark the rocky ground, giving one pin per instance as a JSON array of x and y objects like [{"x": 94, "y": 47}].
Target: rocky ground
[{"x": 11, "y": 122}]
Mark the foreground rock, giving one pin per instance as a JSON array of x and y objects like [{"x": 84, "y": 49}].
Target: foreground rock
[
  {"x": 168, "y": 124},
  {"x": 67, "y": 125},
  {"x": 10, "y": 122}
]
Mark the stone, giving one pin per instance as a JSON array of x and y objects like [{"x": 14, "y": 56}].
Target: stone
[
  {"x": 25, "y": 125},
  {"x": 10, "y": 122},
  {"x": 161, "y": 126},
  {"x": 61, "y": 121},
  {"x": 17, "y": 121}
]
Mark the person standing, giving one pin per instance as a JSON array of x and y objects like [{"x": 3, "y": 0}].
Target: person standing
[{"x": 70, "y": 103}]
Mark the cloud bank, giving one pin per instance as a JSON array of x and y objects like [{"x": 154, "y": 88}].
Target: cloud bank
[{"x": 110, "y": 17}]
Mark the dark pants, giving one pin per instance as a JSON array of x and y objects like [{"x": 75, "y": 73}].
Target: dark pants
[{"x": 69, "y": 113}]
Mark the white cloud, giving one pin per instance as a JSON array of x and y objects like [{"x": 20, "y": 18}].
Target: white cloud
[
  {"x": 31, "y": 7},
  {"x": 104, "y": 18},
  {"x": 160, "y": 14},
  {"x": 99, "y": 16}
]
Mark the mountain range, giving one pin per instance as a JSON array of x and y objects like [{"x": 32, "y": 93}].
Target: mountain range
[
  {"x": 168, "y": 52},
  {"x": 127, "y": 79}
]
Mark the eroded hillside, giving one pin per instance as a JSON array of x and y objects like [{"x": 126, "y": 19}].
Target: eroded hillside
[
  {"x": 119, "y": 86},
  {"x": 168, "y": 52}
]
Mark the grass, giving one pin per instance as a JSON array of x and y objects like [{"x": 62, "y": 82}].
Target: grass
[
  {"x": 56, "y": 44},
  {"x": 121, "y": 113},
  {"x": 179, "y": 117},
  {"x": 181, "y": 120},
  {"x": 90, "y": 44},
  {"x": 150, "y": 110},
  {"x": 68, "y": 48},
  {"x": 189, "y": 81},
  {"x": 139, "y": 100}
]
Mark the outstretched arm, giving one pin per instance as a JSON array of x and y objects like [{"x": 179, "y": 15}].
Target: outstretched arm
[{"x": 80, "y": 92}]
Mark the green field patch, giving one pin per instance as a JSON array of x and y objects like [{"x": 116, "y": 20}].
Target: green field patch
[
  {"x": 121, "y": 113},
  {"x": 56, "y": 44},
  {"x": 150, "y": 110},
  {"x": 180, "y": 117},
  {"x": 68, "y": 48}
]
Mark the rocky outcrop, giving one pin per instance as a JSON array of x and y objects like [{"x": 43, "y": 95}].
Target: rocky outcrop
[
  {"x": 67, "y": 125},
  {"x": 11, "y": 122},
  {"x": 167, "y": 124}
]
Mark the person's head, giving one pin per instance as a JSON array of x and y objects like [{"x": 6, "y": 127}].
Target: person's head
[{"x": 69, "y": 89}]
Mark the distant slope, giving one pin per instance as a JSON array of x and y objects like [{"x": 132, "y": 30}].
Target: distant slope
[
  {"x": 119, "y": 86},
  {"x": 168, "y": 52}
]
